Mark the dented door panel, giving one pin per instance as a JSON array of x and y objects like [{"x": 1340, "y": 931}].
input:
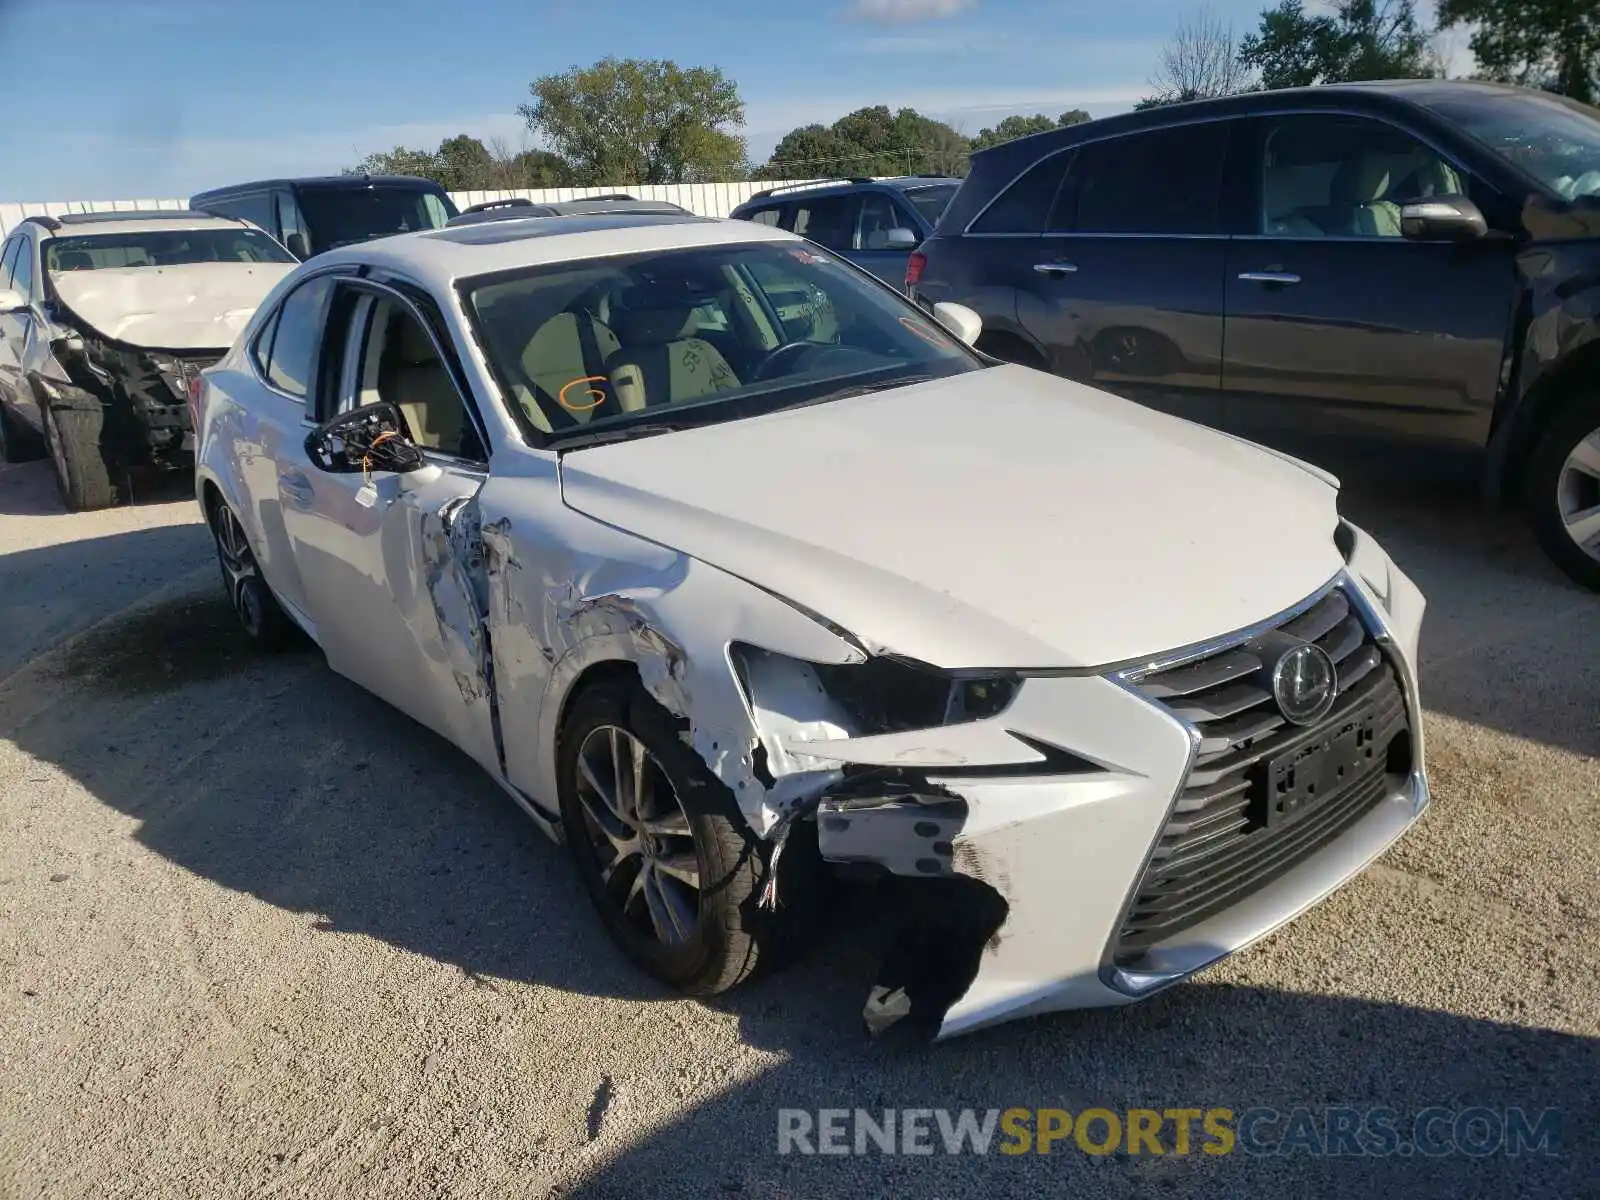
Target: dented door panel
[{"x": 395, "y": 591}]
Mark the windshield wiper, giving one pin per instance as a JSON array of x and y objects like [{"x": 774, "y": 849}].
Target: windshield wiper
[{"x": 623, "y": 433}]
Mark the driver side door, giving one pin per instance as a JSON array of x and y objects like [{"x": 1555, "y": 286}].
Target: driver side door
[{"x": 391, "y": 562}]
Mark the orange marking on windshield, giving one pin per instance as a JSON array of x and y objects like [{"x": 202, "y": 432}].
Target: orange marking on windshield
[
  {"x": 922, "y": 331},
  {"x": 598, "y": 394}
]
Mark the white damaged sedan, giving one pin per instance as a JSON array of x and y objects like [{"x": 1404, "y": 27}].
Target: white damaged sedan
[{"x": 697, "y": 538}]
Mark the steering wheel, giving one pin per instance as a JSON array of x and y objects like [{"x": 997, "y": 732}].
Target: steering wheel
[{"x": 783, "y": 353}]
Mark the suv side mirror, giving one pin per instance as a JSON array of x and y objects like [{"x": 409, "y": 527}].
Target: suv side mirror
[
  {"x": 369, "y": 438},
  {"x": 1443, "y": 219},
  {"x": 295, "y": 244},
  {"x": 11, "y": 302},
  {"x": 900, "y": 239}
]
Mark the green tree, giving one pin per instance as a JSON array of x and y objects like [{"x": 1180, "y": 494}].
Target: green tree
[
  {"x": 1360, "y": 39},
  {"x": 869, "y": 141},
  {"x": 464, "y": 162},
  {"x": 640, "y": 121},
  {"x": 402, "y": 160},
  {"x": 1014, "y": 127},
  {"x": 1553, "y": 44}
]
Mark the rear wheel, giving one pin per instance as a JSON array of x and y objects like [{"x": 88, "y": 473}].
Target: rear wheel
[
  {"x": 260, "y": 616},
  {"x": 659, "y": 842},
  {"x": 1564, "y": 491},
  {"x": 72, "y": 436}
]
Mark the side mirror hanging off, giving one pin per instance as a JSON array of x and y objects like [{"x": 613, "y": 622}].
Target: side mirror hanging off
[{"x": 369, "y": 438}]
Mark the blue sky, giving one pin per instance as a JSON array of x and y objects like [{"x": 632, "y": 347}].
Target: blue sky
[{"x": 154, "y": 98}]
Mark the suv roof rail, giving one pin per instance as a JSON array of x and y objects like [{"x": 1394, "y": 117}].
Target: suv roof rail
[
  {"x": 136, "y": 214},
  {"x": 43, "y": 220},
  {"x": 508, "y": 202},
  {"x": 813, "y": 183}
]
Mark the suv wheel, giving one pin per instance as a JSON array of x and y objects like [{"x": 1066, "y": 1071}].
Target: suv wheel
[
  {"x": 659, "y": 842},
  {"x": 1564, "y": 491},
  {"x": 72, "y": 435}
]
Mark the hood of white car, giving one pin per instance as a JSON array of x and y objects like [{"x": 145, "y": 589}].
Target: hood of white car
[
  {"x": 197, "y": 306},
  {"x": 999, "y": 518}
]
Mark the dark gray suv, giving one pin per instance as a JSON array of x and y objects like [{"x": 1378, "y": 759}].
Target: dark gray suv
[{"x": 1414, "y": 261}]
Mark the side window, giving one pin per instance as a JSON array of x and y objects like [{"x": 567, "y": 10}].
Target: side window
[
  {"x": 1024, "y": 206},
  {"x": 766, "y": 216},
  {"x": 255, "y": 207},
  {"x": 1334, "y": 176},
  {"x": 9, "y": 260},
  {"x": 827, "y": 220},
  {"x": 879, "y": 214},
  {"x": 1166, "y": 181},
  {"x": 290, "y": 224},
  {"x": 287, "y": 347},
  {"x": 401, "y": 364},
  {"x": 22, "y": 270}
]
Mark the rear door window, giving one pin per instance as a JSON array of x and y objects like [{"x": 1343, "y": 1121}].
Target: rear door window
[
  {"x": 1165, "y": 181},
  {"x": 286, "y": 349},
  {"x": 9, "y": 260},
  {"x": 827, "y": 220},
  {"x": 22, "y": 272},
  {"x": 765, "y": 216},
  {"x": 1024, "y": 206}
]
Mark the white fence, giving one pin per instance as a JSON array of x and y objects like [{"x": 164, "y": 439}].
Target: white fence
[{"x": 705, "y": 199}]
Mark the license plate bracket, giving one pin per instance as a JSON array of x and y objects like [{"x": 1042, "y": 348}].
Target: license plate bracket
[{"x": 1297, "y": 780}]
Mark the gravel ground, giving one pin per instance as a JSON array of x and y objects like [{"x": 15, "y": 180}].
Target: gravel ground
[{"x": 261, "y": 936}]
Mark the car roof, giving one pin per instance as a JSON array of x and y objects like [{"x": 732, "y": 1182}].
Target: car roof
[
  {"x": 96, "y": 224},
  {"x": 440, "y": 257},
  {"x": 348, "y": 181},
  {"x": 1390, "y": 95},
  {"x": 828, "y": 187}
]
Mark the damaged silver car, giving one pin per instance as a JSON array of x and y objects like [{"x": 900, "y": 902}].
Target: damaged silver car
[
  {"x": 699, "y": 539},
  {"x": 106, "y": 319}
]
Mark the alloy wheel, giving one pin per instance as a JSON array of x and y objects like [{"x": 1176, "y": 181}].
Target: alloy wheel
[
  {"x": 240, "y": 574},
  {"x": 640, "y": 835},
  {"x": 1578, "y": 494}
]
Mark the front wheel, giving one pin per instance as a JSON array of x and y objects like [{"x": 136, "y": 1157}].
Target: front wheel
[
  {"x": 1564, "y": 491},
  {"x": 84, "y": 478},
  {"x": 260, "y": 616},
  {"x": 659, "y": 842}
]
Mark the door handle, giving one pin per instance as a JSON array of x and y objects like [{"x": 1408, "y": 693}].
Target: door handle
[
  {"x": 1279, "y": 277},
  {"x": 297, "y": 487},
  {"x": 1055, "y": 268}
]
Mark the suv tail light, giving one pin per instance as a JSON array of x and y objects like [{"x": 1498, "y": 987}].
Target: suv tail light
[
  {"x": 914, "y": 266},
  {"x": 197, "y": 385}
]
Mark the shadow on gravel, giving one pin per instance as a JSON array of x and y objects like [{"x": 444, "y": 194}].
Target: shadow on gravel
[
  {"x": 29, "y": 489},
  {"x": 1201, "y": 1047}
]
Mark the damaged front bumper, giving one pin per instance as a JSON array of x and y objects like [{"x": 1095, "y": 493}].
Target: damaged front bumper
[
  {"x": 1108, "y": 835},
  {"x": 143, "y": 392}
]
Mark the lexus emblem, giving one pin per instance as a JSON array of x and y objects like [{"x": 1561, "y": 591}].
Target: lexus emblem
[{"x": 1304, "y": 684}]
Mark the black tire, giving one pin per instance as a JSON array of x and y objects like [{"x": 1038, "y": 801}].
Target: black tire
[
  {"x": 1548, "y": 490},
  {"x": 260, "y": 615},
  {"x": 83, "y": 477},
  {"x": 17, "y": 443},
  {"x": 731, "y": 931}
]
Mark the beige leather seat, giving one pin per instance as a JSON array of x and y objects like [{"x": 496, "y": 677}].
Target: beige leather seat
[
  {"x": 658, "y": 363},
  {"x": 565, "y": 350},
  {"x": 416, "y": 381},
  {"x": 1361, "y": 185}
]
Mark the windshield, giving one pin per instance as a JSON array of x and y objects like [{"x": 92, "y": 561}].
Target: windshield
[
  {"x": 161, "y": 248},
  {"x": 1555, "y": 140},
  {"x": 698, "y": 336},
  {"x": 932, "y": 201},
  {"x": 338, "y": 216}
]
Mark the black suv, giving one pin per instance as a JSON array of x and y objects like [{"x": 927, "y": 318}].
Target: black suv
[
  {"x": 1415, "y": 260},
  {"x": 312, "y": 215}
]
